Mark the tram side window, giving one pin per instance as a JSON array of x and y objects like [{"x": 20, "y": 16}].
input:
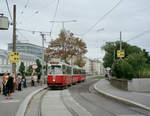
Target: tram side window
[
  {"x": 83, "y": 72},
  {"x": 76, "y": 71},
  {"x": 64, "y": 69},
  {"x": 68, "y": 70}
]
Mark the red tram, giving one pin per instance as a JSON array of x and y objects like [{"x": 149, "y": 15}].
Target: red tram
[{"x": 63, "y": 75}]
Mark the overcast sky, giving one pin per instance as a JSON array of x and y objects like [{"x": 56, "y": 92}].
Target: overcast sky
[{"x": 131, "y": 17}]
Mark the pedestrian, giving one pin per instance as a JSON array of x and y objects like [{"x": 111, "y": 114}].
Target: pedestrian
[
  {"x": 38, "y": 79},
  {"x": 14, "y": 81},
  {"x": 24, "y": 81},
  {"x": 4, "y": 84},
  {"x": 19, "y": 82},
  {"x": 9, "y": 85},
  {"x": 32, "y": 81}
]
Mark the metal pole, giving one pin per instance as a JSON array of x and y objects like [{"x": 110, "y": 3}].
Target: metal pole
[
  {"x": 63, "y": 25},
  {"x": 114, "y": 55},
  {"x": 14, "y": 38},
  {"x": 43, "y": 39},
  {"x": 120, "y": 40}
]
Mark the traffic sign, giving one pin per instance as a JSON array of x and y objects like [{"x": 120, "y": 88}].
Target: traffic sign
[
  {"x": 120, "y": 53},
  {"x": 14, "y": 57},
  {"x": 34, "y": 66},
  {"x": 108, "y": 68}
]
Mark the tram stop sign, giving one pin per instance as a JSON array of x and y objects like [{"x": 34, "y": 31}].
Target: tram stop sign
[
  {"x": 14, "y": 57},
  {"x": 120, "y": 53}
]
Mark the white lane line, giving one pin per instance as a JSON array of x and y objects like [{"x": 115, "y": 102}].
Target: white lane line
[{"x": 10, "y": 101}]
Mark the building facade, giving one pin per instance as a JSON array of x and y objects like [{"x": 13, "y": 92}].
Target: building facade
[
  {"x": 6, "y": 66},
  {"x": 27, "y": 48},
  {"x": 94, "y": 67}
]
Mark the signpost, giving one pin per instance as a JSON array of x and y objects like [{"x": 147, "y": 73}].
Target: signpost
[
  {"x": 14, "y": 57},
  {"x": 120, "y": 53}
]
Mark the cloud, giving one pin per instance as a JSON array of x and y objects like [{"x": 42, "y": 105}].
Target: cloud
[{"x": 131, "y": 17}]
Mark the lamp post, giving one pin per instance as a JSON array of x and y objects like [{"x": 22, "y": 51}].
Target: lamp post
[{"x": 43, "y": 39}]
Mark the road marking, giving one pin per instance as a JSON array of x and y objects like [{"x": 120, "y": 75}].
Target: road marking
[
  {"x": 130, "y": 115},
  {"x": 10, "y": 101}
]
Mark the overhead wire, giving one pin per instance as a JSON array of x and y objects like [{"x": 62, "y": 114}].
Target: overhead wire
[
  {"x": 31, "y": 31},
  {"x": 54, "y": 17},
  {"x": 22, "y": 35},
  {"x": 99, "y": 20},
  {"x": 139, "y": 35},
  {"x": 9, "y": 10}
]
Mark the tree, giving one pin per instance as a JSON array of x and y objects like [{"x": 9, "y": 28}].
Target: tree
[
  {"x": 122, "y": 69},
  {"x": 29, "y": 70},
  {"x": 147, "y": 56},
  {"x": 39, "y": 66},
  {"x": 22, "y": 68},
  {"x": 131, "y": 67},
  {"x": 79, "y": 62},
  {"x": 138, "y": 62},
  {"x": 66, "y": 46},
  {"x": 110, "y": 47}
]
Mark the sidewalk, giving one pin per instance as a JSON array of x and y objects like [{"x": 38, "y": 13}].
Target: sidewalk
[
  {"x": 9, "y": 107},
  {"x": 141, "y": 100}
]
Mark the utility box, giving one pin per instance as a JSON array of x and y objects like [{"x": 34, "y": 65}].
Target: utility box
[{"x": 4, "y": 23}]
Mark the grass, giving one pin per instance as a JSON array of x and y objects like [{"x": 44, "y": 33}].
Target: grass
[{"x": 98, "y": 77}]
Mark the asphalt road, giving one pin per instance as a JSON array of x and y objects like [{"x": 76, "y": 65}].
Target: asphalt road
[{"x": 99, "y": 105}]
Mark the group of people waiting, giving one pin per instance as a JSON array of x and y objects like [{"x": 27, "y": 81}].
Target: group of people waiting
[{"x": 10, "y": 83}]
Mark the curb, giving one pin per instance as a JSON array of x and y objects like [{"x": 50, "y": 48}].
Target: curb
[
  {"x": 22, "y": 108},
  {"x": 123, "y": 100}
]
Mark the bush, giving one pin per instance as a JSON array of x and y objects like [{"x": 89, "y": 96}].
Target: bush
[
  {"x": 145, "y": 73},
  {"x": 131, "y": 67},
  {"x": 122, "y": 69}
]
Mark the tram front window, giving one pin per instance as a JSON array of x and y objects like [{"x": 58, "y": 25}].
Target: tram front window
[{"x": 55, "y": 70}]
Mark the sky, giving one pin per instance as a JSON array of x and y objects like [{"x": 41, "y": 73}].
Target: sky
[{"x": 130, "y": 16}]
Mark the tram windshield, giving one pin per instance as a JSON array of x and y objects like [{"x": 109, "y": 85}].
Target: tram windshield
[{"x": 55, "y": 70}]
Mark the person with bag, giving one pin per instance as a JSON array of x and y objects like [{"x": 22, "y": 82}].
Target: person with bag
[
  {"x": 4, "y": 84},
  {"x": 9, "y": 86}
]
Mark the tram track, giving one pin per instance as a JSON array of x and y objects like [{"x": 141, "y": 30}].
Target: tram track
[{"x": 34, "y": 107}]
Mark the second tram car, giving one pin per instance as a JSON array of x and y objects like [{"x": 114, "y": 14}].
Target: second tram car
[{"x": 63, "y": 75}]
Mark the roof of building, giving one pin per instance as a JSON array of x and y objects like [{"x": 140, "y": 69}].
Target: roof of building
[{"x": 26, "y": 44}]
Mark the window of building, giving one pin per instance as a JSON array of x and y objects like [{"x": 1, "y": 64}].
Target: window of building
[
  {"x": 1, "y": 61},
  {"x": 4, "y": 61}
]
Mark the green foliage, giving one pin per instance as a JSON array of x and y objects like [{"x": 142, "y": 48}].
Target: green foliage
[
  {"x": 110, "y": 47},
  {"x": 122, "y": 69},
  {"x": 147, "y": 56},
  {"x": 29, "y": 71},
  {"x": 38, "y": 70},
  {"x": 98, "y": 77},
  {"x": 137, "y": 61},
  {"x": 130, "y": 67},
  {"x": 145, "y": 73},
  {"x": 22, "y": 68}
]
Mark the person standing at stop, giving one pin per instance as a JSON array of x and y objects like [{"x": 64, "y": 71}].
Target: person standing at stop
[{"x": 9, "y": 85}]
